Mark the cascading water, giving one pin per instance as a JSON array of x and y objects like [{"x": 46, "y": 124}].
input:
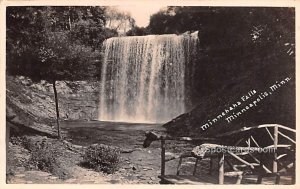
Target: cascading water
[{"x": 143, "y": 77}]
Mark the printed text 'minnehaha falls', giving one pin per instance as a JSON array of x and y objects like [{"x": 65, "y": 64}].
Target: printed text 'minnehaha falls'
[{"x": 243, "y": 99}]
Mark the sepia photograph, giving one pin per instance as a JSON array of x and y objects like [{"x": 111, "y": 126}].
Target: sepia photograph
[{"x": 156, "y": 95}]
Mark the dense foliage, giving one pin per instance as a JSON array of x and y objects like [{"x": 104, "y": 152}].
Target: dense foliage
[
  {"x": 232, "y": 40},
  {"x": 240, "y": 49},
  {"x": 55, "y": 43},
  {"x": 138, "y": 31}
]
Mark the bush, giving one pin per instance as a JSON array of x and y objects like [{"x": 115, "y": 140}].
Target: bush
[
  {"x": 102, "y": 158},
  {"x": 45, "y": 155},
  {"x": 44, "y": 159}
]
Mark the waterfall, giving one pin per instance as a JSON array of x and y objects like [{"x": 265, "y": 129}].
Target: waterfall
[{"x": 143, "y": 77}]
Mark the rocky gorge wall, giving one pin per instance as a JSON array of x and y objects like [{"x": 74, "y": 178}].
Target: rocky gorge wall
[{"x": 31, "y": 104}]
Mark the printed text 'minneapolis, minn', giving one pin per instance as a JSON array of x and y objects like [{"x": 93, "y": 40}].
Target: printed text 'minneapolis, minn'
[
  {"x": 247, "y": 107},
  {"x": 227, "y": 110}
]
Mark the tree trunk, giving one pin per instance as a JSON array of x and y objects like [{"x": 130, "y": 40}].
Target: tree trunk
[
  {"x": 70, "y": 23},
  {"x": 57, "y": 111}
]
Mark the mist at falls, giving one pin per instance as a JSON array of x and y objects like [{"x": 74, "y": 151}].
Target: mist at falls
[{"x": 143, "y": 78}]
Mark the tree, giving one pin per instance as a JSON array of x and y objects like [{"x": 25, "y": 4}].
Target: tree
[
  {"x": 138, "y": 31},
  {"x": 230, "y": 37},
  {"x": 120, "y": 21},
  {"x": 54, "y": 43}
]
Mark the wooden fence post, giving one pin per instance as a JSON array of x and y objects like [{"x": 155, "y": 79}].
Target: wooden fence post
[
  {"x": 211, "y": 166},
  {"x": 179, "y": 166},
  {"x": 221, "y": 169},
  {"x": 195, "y": 167},
  {"x": 275, "y": 146},
  {"x": 261, "y": 171}
]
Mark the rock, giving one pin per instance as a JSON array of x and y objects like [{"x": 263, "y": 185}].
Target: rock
[
  {"x": 53, "y": 177},
  {"x": 72, "y": 180},
  {"x": 147, "y": 168},
  {"x": 150, "y": 137},
  {"x": 88, "y": 88},
  {"x": 26, "y": 82},
  {"x": 169, "y": 154},
  {"x": 10, "y": 114},
  {"x": 139, "y": 149},
  {"x": 114, "y": 181},
  {"x": 20, "y": 175},
  {"x": 143, "y": 178},
  {"x": 38, "y": 173},
  {"x": 41, "y": 88},
  {"x": 20, "y": 169},
  {"x": 16, "y": 121},
  {"x": 127, "y": 150},
  {"x": 43, "y": 82}
]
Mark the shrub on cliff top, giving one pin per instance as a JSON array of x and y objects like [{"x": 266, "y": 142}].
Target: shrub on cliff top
[{"x": 102, "y": 158}]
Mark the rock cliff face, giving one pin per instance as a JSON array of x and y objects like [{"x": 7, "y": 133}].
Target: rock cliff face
[
  {"x": 31, "y": 104},
  {"x": 263, "y": 93}
]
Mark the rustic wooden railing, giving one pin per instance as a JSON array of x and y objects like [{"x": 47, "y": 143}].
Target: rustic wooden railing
[
  {"x": 247, "y": 135},
  {"x": 278, "y": 131}
]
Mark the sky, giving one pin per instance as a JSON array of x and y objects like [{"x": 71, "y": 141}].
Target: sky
[{"x": 141, "y": 13}]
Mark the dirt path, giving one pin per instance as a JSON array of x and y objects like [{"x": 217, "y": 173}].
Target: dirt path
[
  {"x": 139, "y": 165},
  {"x": 142, "y": 165},
  {"x": 132, "y": 171}
]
